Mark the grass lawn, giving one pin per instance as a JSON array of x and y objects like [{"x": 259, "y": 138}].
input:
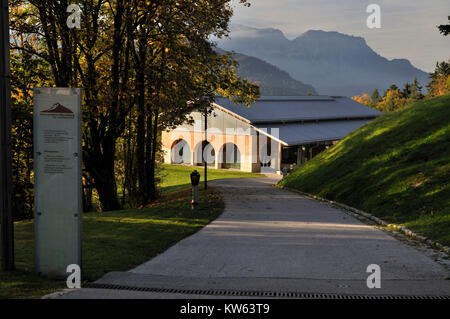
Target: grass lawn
[
  {"x": 397, "y": 167},
  {"x": 115, "y": 241},
  {"x": 121, "y": 240},
  {"x": 178, "y": 176}
]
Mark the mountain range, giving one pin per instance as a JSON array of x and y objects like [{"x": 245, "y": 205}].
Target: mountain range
[
  {"x": 332, "y": 62},
  {"x": 271, "y": 80}
]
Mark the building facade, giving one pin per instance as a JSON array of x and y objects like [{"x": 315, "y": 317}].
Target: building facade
[{"x": 272, "y": 134}]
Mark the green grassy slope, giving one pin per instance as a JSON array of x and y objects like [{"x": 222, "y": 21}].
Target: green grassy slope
[{"x": 396, "y": 167}]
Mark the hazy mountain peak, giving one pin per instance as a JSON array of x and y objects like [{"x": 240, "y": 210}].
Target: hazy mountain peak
[
  {"x": 330, "y": 36},
  {"x": 333, "y": 62},
  {"x": 402, "y": 61},
  {"x": 240, "y": 30}
]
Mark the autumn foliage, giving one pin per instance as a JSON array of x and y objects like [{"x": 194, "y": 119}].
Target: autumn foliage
[
  {"x": 396, "y": 99},
  {"x": 143, "y": 66}
]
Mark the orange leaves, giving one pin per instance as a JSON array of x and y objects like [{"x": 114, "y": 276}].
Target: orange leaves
[
  {"x": 440, "y": 86},
  {"x": 363, "y": 99},
  {"x": 391, "y": 101}
]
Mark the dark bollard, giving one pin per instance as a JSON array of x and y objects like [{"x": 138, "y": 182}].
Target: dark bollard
[{"x": 195, "y": 180}]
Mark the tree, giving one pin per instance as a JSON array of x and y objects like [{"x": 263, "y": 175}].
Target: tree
[
  {"x": 375, "y": 98},
  {"x": 406, "y": 92},
  {"x": 183, "y": 74},
  {"x": 144, "y": 65},
  {"x": 363, "y": 99},
  {"x": 440, "y": 80},
  {"x": 445, "y": 28},
  {"x": 415, "y": 91},
  {"x": 27, "y": 72},
  {"x": 392, "y": 101},
  {"x": 92, "y": 57}
]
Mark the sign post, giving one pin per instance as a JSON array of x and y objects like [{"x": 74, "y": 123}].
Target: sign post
[
  {"x": 7, "y": 227},
  {"x": 57, "y": 168}
]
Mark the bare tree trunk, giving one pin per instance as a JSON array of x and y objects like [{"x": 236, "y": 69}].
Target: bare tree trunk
[
  {"x": 152, "y": 161},
  {"x": 141, "y": 157},
  {"x": 101, "y": 168}
]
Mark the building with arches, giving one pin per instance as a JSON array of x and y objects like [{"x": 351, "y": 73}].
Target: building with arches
[{"x": 272, "y": 134}]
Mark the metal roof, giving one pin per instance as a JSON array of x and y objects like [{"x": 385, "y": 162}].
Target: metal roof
[
  {"x": 300, "y": 108},
  {"x": 311, "y": 132},
  {"x": 303, "y": 119}
]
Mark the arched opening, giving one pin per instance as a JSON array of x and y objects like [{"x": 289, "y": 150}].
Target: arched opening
[
  {"x": 231, "y": 156},
  {"x": 181, "y": 152},
  {"x": 205, "y": 152}
]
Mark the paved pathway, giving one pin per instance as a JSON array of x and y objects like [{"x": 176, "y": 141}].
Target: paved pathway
[{"x": 268, "y": 239}]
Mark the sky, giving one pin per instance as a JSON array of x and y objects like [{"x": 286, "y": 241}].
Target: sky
[{"x": 408, "y": 27}]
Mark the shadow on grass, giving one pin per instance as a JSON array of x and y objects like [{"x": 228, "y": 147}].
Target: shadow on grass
[
  {"x": 397, "y": 167},
  {"x": 115, "y": 241}
]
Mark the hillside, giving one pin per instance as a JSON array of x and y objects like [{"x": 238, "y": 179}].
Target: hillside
[
  {"x": 332, "y": 62},
  {"x": 396, "y": 167},
  {"x": 271, "y": 80}
]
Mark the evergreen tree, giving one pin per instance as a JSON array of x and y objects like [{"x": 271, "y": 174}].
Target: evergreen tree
[
  {"x": 415, "y": 91},
  {"x": 375, "y": 97},
  {"x": 406, "y": 92},
  {"x": 393, "y": 87},
  {"x": 442, "y": 68},
  {"x": 445, "y": 28},
  {"x": 440, "y": 80}
]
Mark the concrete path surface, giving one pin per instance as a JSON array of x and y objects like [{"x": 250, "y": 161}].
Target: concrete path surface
[{"x": 271, "y": 240}]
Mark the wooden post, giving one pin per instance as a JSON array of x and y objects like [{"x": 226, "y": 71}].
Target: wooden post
[{"x": 5, "y": 143}]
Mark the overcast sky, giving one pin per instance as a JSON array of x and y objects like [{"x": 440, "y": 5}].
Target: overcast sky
[{"x": 408, "y": 27}]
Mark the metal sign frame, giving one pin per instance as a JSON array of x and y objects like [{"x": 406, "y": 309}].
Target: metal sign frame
[{"x": 57, "y": 167}]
